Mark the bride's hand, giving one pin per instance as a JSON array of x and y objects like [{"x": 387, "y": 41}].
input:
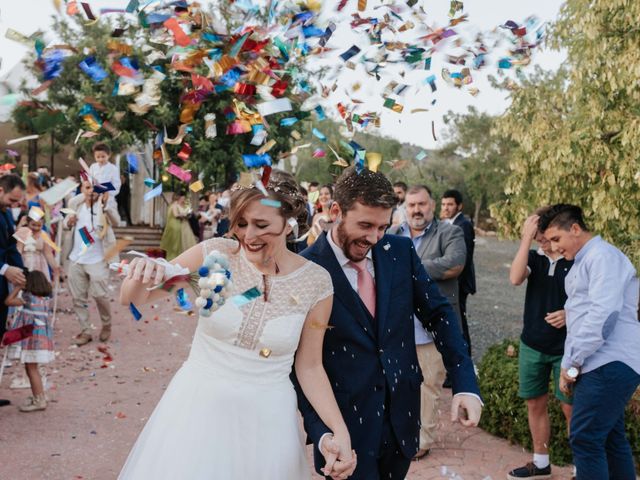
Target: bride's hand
[
  {"x": 143, "y": 269},
  {"x": 341, "y": 460}
]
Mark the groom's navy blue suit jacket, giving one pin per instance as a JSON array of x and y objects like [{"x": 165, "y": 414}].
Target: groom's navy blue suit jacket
[{"x": 366, "y": 364}]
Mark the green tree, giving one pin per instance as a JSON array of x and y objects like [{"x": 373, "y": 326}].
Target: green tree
[
  {"x": 480, "y": 156},
  {"x": 578, "y": 130}
]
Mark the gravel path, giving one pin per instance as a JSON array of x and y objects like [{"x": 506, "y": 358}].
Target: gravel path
[
  {"x": 495, "y": 311},
  {"x": 98, "y": 406}
]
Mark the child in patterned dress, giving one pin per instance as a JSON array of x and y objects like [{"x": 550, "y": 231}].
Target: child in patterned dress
[{"x": 35, "y": 309}]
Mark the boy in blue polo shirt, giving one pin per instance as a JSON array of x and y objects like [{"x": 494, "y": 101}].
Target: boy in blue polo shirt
[{"x": 542, "y": 339}]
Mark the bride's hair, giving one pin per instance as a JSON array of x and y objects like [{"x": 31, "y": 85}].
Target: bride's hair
[{"x": 283, "y": 188}]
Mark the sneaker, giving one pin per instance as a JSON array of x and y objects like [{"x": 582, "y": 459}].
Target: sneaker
[
  {"x": 82, "y": 339},
  {"x": 105, "y": 333},
  {"x": 530, "y": 471},
  {"x": 34, "y": 404}
]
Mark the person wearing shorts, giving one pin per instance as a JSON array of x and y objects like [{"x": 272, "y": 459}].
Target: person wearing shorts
[{"x": 542, "y": 340}]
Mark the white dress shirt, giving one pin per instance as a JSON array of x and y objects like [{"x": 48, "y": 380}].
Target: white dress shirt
[{"x": 94, "y": 253}]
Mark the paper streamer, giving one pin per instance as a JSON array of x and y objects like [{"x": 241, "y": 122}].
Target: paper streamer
[
  {"x": 270, "y": 203},
  {"x": 35, "y": 213},
  {"x": 274, "y": 106},
  {"x": 179, "y": 172},
  {"x": 246, "y": 297},
  {"x": 153, "y": 193},
  {"x": 135, "y": 312},
  {"x": 132, "y": 160},
  {"x": 180, "y": 37},
  {"x": 183, "y": 300},
  {"x": 22, "y": 139},
  {"x": 47, "y": 239},
  {"x": 196, "y": 186},
  {"x": 256, "y": 161}
]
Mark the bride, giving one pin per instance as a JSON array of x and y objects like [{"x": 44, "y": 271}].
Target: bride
[{"x": 230, "y": 411}]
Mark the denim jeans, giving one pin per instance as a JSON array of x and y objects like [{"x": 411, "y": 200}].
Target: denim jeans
[{"x": 600, "y": 446}]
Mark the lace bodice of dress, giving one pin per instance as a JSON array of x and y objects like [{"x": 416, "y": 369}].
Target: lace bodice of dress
[{"x": 290, "y": 298}]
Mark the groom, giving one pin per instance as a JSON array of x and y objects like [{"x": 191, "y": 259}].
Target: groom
[{"x": 369, "y": 350}]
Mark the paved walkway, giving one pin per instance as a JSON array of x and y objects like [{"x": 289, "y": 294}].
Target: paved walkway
[{"x": 98, "y": 407}]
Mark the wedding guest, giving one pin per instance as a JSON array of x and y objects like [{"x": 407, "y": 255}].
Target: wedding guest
[
  {"x": 88, "y": 273},
  {"x": 399, "y": 212},
  {"x": 451, "y": 209},
  {"x": 601, "y": 361},
  {"x": 440, "y": 247},
  {"x": 542, "y": 339},
  {"x": 321, "y": 220},
  {"x": 36, "y": 253},
  {"x": 103, "y": 171},
  {"x": 36, "y": 349},
  {"x": 177, "y": 236},
  {"x": 123, "y": 199}
]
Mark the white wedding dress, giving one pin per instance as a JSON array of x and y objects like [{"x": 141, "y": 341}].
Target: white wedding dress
[{"x": 230, "y": 412}]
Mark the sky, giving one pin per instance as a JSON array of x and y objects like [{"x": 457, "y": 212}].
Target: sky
[{"x": 484, "y": 15}]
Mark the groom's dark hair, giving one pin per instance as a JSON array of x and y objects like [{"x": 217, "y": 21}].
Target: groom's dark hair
[{"x": 368, "y": 188}]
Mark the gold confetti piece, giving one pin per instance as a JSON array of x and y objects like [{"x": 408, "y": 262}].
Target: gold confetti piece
[
  {"x": 265, "y": 352},
  {"x": 418, "y": 110},
  {"x": 295, "y": 300},
  {"x": 373, "y": 160},
  {"x": 296, "y": 135},
  {"x": 319, "y": 326},
  {"x": 246, "y": 179},
  {"x": 196, "y": 186},
  {"x": 266, "y": 147},
  {"x": 341, "y": 163},
  {"x": 406, "y": 26},
  {"x": 362, "y": 5}
]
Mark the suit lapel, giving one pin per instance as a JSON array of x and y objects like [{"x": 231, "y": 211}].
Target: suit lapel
[
  {"x": 341, "y": 286},
  {"x": 383, "y": 265}
]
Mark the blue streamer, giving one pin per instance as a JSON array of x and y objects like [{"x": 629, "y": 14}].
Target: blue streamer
[
  {"x": 183, "y": 300},
  {"x": 93, "y": 69},
  {"x": 319, "y": 134},
  {"x": 132, "y": 160},
  {"x": 257, "y": 161},
  {"x": 135, "y": 312}
]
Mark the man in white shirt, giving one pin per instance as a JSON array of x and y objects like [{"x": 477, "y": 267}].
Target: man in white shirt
[
  {"x": 103, "y": 171},
  {"x": 88, "y": 270}
]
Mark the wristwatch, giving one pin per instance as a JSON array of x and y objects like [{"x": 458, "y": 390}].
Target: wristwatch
[{"x": 573, "y": 372}]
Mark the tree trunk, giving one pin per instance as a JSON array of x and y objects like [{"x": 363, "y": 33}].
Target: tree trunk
[{"x": 476, "y": 214}]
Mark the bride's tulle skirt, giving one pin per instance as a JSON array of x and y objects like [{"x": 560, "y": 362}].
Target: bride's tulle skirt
[{"x": 208, "y": 427}]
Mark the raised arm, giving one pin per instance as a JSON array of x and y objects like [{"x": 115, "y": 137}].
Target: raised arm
[{"x": 519, "y": 271}]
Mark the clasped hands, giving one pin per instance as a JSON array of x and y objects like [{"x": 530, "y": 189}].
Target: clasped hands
[{"x": 340, "y": 459}]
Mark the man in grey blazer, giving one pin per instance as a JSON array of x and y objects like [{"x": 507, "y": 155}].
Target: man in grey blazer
[{"x": 441, "y": 248}]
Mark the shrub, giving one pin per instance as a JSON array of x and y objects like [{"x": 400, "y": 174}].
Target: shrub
[{"x": 505, "y": 414}]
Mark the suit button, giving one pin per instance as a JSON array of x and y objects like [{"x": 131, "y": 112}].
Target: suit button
[{"x": 381, "y": 351}]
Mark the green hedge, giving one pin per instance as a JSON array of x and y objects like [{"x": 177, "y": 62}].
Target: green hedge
[{"x": 505, "y": 414}]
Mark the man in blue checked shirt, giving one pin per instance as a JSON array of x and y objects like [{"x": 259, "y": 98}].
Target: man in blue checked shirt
[{"x": 601, "y": 362}]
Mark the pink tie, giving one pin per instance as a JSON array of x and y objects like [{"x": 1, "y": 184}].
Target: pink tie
[{"x": 366, "y": 286}]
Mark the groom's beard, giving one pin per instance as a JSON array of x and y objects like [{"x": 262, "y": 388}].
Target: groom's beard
[{"x": 352, "y": 248}]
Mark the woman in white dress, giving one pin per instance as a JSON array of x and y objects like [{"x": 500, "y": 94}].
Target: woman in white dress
[{"x": 230, "y": 412}]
